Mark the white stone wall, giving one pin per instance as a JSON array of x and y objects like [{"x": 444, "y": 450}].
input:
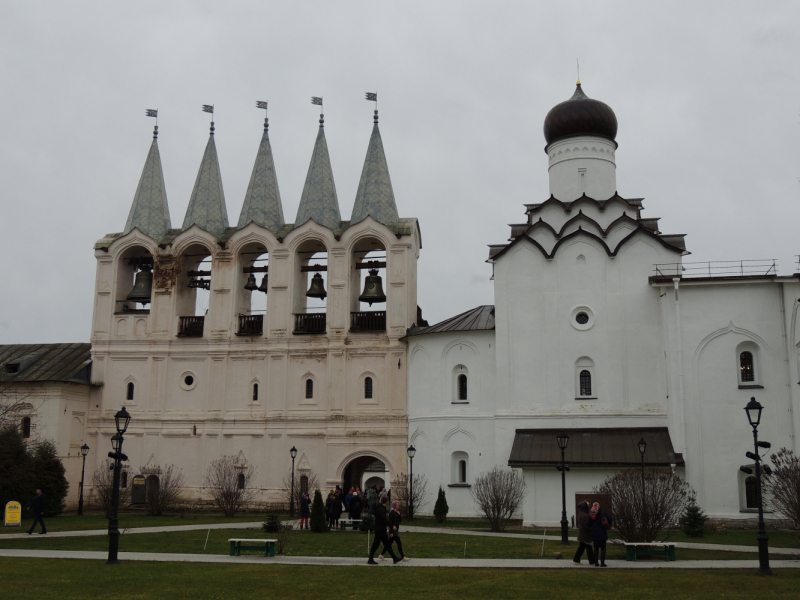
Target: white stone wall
[{"x": 582, "y": 165}]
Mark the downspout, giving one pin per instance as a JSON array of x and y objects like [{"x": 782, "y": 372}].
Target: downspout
[
  {"x": 788, "y": 364},
  {"x": 679, "y": 342}
]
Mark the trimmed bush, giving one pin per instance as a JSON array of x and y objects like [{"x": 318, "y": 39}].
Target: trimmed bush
[
  {"x": 693, "y": 520},
  {"x": 318, "y": 521},
  {"x": 440, "y": 509}
]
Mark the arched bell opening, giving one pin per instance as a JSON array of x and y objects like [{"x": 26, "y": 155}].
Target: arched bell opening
[
  {"x": 367, "y": 286},
  {"x": 311, "y": 288},
  {"x": 252, "y": 284},
  {"x": 193, "y": 287},
  {"x": 134, "y": 286}
]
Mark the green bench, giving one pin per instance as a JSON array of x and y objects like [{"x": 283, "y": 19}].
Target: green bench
[
  {"x": 343, "y": 523},
  {"x": 632, "y": 550},
  {"x": 239, "y": 544}
]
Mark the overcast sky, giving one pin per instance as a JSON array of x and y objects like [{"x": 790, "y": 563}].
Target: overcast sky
[{"x": 706, "y": 96}]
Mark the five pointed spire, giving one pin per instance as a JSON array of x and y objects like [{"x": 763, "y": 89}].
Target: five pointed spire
[
  {"x": 207, "y": 204},
  {"x": 375, "y": 196},
  {"x": 149, "y": 211},
  {"x": 262, "y": 202},
  {"x": 318, "y": 201}
]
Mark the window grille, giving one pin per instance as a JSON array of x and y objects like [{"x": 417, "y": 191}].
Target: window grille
[
  {"x": 586, "y": 383},
  {"x": 129, "y": 394},
  {"x": 462, "y": 387},
  {"x": 255, "y": 392},
  {"x": 368, "y": 387},
  {"x": 309, "y": 388},
  {"x": 751, "y": 492},
  {"x": 26, "y": 427},
  {"x": 240, "y": 481},
  {"x": 462, "y": 471},
  {"x": 746, "y": 366}
]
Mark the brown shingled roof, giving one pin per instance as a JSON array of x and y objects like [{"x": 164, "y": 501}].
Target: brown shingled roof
[
  {"x": 477, "y": 319},
  {"x": 45, "y": 362}
]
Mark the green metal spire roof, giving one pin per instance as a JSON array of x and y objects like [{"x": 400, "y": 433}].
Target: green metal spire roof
[
  {"x": 375, "y": 197},
  {"x": 262, "y": 202},
  {"x": 207, "y": 204},
  {"x": 149, "y": 211},
  {"x": 319, "y": 201}
]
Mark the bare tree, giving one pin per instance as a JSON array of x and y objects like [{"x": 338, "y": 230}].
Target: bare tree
[
  {"x": 783, "y": 486},
  {"x": 164, "y": 492},
  {"x": 498, "y": 494},
  {"x": 15, "y": 404},
  {"x": 229, "y": 482},
  {"x": 103, "y": 486},
  {"x": 400, "y": 492},
  {"x": 312, "y": 484},
  {"x": 642, "y": 517}
]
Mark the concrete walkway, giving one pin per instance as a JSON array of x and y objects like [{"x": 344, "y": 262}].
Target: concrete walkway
[
  {"x": 409, "y": 528},
  {"x": 470, "y": 563}
]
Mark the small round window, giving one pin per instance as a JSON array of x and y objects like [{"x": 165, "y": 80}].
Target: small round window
[
  {"x": 581, "y": 318},
  {"x": 188, "y": 380}
]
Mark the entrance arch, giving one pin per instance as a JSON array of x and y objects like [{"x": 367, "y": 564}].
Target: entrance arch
[{"x": 365, "y": 469}]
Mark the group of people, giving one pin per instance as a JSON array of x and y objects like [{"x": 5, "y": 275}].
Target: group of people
[{"x": 593, "y": 526}]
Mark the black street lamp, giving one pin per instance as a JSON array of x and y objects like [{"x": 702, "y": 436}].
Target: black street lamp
[
  {"x": 753, "y": 410},
  {"x": 293, "y": 453},
  {"x": 121, "y": 420},
  {"x": 642, "y": 448},
  {"x": 563, "y": 439},
  {"x": 84, "y": 452},
  {"x": 411, "y": 451}
]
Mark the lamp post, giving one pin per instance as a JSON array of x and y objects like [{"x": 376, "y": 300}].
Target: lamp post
[
  {"x": 84, "y": 452},
  {"x": 293, "y": 453},
  {"x": 642, "y": 448},
  {"x": 753, "y": 410},
  {"x": 563, "y": 439},
  {"x": 411, "y": 451},
  {"x": 121, "y": 420}
]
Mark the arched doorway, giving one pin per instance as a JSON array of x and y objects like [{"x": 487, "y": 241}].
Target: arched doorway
[{"x": 364, "y": 472}]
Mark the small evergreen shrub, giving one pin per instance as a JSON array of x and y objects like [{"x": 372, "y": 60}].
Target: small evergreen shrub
[
  {"x": 272, "y": 524},
  {"x": 693, "y": 520},
  {"x": 367, "y": 523},
  {"x": 440, "y": 509},
  {"x": 318, "y": 520}
]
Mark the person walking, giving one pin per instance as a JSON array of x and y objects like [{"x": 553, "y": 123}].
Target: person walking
[
  {"x": 305, "y": 509},
  {"x": 381, "y": 523},
  {"x": 601, "y": 523},
  {"x": 394, "y": 532},
  {"x": 37, "y": 509},
  {"x": 584, "y": 534},
  {"x": 337, "y": 508}
]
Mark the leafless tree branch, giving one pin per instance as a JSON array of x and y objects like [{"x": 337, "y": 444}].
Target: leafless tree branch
[
  {"x": 498, "y": 494},
  {"x": 223, "y": 480}
]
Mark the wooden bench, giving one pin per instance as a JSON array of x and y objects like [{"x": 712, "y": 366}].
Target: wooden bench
[
  {"x": 343, "y": 523},
  {"x": 666, "y": 550},
  {"x": 239, "y": 544}
]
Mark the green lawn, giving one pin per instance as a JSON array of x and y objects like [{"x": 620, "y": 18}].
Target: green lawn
[
  {"x": 44, "y": 579},
  {"x": 349, "y": 544},
  {"x": 73, "y": 522}
]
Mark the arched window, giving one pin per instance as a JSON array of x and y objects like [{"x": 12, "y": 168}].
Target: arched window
[
  {"x": 240, "y": 481},
  {"x": 586, "y": 383},
  {"x": 26, "y": 427},
  {"x": 129, "y": 394},
  {"x": 304, "y": 484},
  {"x": 747, "y": 368},
  {"x": 124, "y": 480},
  {"x": 309, "y": 388},
  {"x": 194, "y": 429},
  {"x": 368, "y": 387},
  {"x": 462, "y": 471},
  {"x": 751, "y": 492},
  {"x": 462, "y": 387},
  {"x": 255, "y": 392}
]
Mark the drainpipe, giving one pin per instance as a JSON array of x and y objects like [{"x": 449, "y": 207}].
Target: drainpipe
[
  {"x": 679, "y": 342},
  {"x": 787, "y": 359}
]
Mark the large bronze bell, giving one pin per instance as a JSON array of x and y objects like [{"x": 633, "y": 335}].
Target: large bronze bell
[
  {"x": 317, "y": 287},
  {"x": 264, "y": 287},
  {"x": 251, "y": 283},
  {"x": 373, "y": 288},
  {"x": 142, "y": 286}
]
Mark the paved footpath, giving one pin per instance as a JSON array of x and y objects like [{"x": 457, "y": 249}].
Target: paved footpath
[{"x": 470, "y": 563}]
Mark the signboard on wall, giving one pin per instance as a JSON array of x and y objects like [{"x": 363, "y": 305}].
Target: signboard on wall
[
  {"x": 13, "y": 514},
  {"x": 138, "y": 489}
]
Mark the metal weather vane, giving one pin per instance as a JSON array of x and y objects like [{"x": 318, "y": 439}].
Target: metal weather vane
[{"x": 153, "y": 112}]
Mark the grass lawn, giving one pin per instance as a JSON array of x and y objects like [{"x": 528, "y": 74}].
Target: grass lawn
[
  {"x": 45, "y": 579},
  {"x": 72, "y": 522},
  {"x": 349, "y": 544}
]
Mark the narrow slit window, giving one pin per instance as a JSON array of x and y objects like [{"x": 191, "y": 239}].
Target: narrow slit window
[
  {"x": 304, "y": 484},
  {"x": 129, "y": 394},
  {"x": 462, "y": 387},
  {"x": 26, "y": 427},
  {"x": 124, "y": 480},
  {"x": 751, "y": 492},
  {"x": 462, "y": 471},
  {"x": 746, "y": 366},
  {"x": 240, "y": 481},
  {"x": 309, "y": 388},
  {"x": 586, "y": 383},
  {"x": 255, "y": 392},
  {"x": 368, "y": 387}
]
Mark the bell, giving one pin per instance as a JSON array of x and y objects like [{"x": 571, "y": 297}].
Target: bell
[
  {"x": 317, "y": 287},
  {"x": 192, "y": 283},
  {"x": 373, "y": 288},
  {"x": 251, "y": 283},
  {"x": 142, "y": 286},
  {"x": 263, "y": 287}
]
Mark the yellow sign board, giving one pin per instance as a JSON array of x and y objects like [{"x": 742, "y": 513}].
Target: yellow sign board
[{"x": 13, "y": 514}]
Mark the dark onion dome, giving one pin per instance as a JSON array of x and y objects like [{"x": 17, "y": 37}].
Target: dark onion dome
[{"x": 580, "y": 115}]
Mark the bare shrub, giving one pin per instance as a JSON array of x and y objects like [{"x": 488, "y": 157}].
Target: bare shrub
[
  {"x": 644, "y": 519},
  {"x": 313, "y": 484},
  {"x": 400, "y": 492},
  {"x": 783, "y": 486},
  {"x": 498, "y": 494},
  {"x": 163, "y": 494},
  {"x": 103, "y": 486},
  {"x": 283, "y": 535},
  {"x": 228, "y": 482}
]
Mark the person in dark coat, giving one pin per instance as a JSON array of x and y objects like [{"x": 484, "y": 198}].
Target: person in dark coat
[
  {"x": 355, "y": 506},
  {"x": 584, "y": 534},
  {"x": 381, "y": 523},
  {"x": 337, "y": 508},
  {"x": 329, "y": 502},
  {"x": 305, "y": 509},
  {"x": 394, "y": 531},
  {"x": 601, "y": 523},
  {"x": 37, "y": 509}
]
